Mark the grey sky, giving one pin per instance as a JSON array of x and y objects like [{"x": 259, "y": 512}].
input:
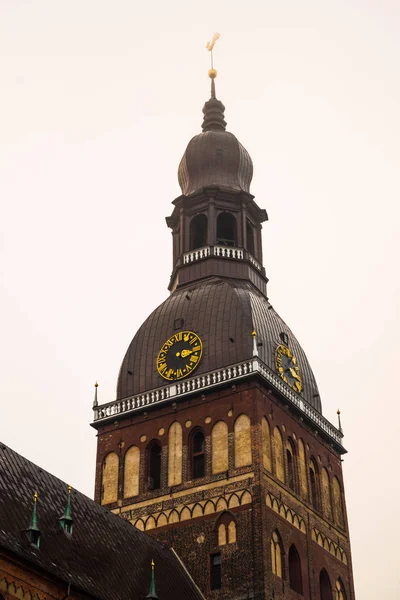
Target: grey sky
[{"x": 98, "y": 101}]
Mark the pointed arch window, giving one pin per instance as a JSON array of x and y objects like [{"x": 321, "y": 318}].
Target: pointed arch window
[
  {"x": 339, "y": 590},
  {"x": 295, "y": 579},
  {"x": 325, "y": 587},
  {"x": 154, "y": 466},
  {"x": 226, "y": 229},
  {"x": 226, "y": 529},
  {"x": 276, "y": 554},
  {"x": 198, "y": 232},
  {"x": 198, "y": 454}
]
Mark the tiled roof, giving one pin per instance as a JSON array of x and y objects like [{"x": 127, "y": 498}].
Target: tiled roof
[{"x": 105, "y": 556}]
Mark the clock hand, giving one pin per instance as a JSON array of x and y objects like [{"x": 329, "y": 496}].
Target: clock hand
[
  {"x": 294, "y": 374},
  {"x": 184, "y": 353}
]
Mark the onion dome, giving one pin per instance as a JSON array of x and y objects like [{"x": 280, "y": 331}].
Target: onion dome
[
  {"x": 223, "y": 313},
  {"x": 215, "y": 158}
]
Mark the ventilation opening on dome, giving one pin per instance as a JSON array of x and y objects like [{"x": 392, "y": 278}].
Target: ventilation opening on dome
[
  {"x": 284, "y": 337},
  {"x": 198, "y": 232},
  {"x": 226, "y": 230}
]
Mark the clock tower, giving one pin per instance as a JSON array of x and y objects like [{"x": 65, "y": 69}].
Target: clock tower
[{"x": 216, "y": 443}]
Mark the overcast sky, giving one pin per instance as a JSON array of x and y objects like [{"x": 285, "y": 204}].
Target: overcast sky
[{"x": 98, "y": 101}]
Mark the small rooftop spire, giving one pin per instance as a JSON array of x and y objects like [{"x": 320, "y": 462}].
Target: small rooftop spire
[
  {"x": 66, "y": 520},
  {"x": 213, "y": 109},
  {"x": 152, "y": 595},
  {"x": 33, "y": 530},
  {"x": 95, "y": 403}
]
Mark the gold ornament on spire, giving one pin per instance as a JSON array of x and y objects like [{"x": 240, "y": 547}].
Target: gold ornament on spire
[
  {"x": 35, "y": 496},
  {"x": 212, "y": 73}
]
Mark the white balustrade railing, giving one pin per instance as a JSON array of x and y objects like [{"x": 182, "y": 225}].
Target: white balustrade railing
[
  {"x": 198, "y": 254},
  {"x": 229, "y": 252},
  {"x": 222, "y": 252},
  {"x": 210, "y": 380}
]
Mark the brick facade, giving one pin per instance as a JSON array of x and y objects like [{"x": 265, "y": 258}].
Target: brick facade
[{"x": 186, "y": 516}]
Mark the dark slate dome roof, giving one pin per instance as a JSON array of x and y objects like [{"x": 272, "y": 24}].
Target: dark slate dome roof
[
  {"x": 218, "y": 310},
  {"x": 215, "y": 158}
]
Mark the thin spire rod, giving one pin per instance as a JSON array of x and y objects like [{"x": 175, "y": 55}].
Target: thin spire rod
[{"x": 212, "y": 73}]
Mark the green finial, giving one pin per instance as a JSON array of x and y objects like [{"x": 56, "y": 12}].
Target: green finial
[
  {"x": 152, "y": 595},
  {"x": 33, "y": 529},
  {"x": 66, "y": 520}
]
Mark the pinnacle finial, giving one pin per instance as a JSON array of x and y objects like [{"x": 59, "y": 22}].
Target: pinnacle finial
[
  {"x": 152, "y": 595},
  {"x": 66, "y": 520},
  {"x": 339, "y": 422},
  {"x": 95, "y": 402},
  {"x": 33, "y": 529}
]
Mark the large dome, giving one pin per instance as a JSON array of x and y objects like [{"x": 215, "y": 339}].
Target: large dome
[{"x": 223, "y": 312}]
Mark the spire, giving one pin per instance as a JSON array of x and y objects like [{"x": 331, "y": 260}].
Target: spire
[
  {"x": 95, "y": 402},
  {"x": 152, "y": 595},
  {"x": 213, "y": 109},
  {"x": 33, "y": 529},
  {"x": 66, "y": 520}
]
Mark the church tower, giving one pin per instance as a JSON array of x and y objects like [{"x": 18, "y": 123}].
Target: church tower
[{"x": 216, "y": 442}]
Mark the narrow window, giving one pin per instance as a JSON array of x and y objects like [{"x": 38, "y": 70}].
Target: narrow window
[
  {"x": 226, "y": 229},
  {"x": 215, "y": 571},
  {"x": 155, "y": 467},
  {"x": 290, "y": 465},
  {"x": 295, "y": 578},
  {"x": 339, "y": 590},
  {"x": 325, "y": 588},
  {"x": 198, "y": 232},
  {"x": 250, "y": 237},
  {"x": 198, "y": 455},
  {"x": 313, "y": 484},
  {"x": 276, "y": 555}
]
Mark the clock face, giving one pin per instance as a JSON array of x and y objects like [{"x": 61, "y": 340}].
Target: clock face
[
  {"x": 179, "y": 355},
  {"x": 288, "y": 368}
]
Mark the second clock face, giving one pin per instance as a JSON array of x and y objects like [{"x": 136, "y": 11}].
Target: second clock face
[
  {"x": 179, "y": 355},
  {"x": 288, "y": 368}
]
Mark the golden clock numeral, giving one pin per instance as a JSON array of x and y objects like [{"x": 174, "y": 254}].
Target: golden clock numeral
[
  {"x": 178, "y": 337},
  {"x": 196, "y": 348},
  {"x": 162, "y": 367},
  {"x": 179, "y": 373},
  {"x": 193, "y": 340},
  {"x": 194, "y": 358}
]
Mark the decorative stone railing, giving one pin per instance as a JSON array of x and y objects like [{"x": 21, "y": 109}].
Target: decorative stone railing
[
  {"x": 180, "y": 389},
  {"x": 222, "y": 252}
]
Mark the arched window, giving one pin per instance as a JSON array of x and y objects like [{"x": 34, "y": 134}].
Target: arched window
[
  {"x": 295, "y": 579},
  {"x": 175, "y": 454},
  {"x": 326, "y": 494},
  {"x": 303, "y": 470},
  {"x": 325, "y": 588},
  {"x": 131, "y": 472},
  {"x": 291, "y": 468},
  {"x": 109, "y": 479},
  {"x": 276, "y": 554},
  {"x": 198, "y": 232},
  {"x": 226, "y": 529},
  {"x": 279, "y": 464},
  {"x": 226, "y": 229},
  {"x": 314, "y": 484},
  {"x": 198, "y": 448},
  {"x": 154, "y": 466},
  {"x": 219, "y": 448},
  {"x": 339, "y": 590},
  {"x": 337, "y": 502},
  {"x": 242, "y": 431},
  {"x": 266, "y": 444},
  {"x": 250, "y": 237}
]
